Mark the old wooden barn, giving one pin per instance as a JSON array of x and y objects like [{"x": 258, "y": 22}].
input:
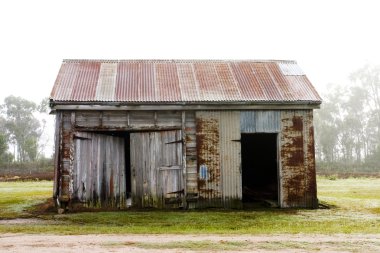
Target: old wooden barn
[{"x": 183, "y": 134}]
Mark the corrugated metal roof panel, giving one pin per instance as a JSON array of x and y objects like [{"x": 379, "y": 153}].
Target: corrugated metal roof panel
[
  {"x": 159, "y": 81},
  {"x": 290, "y": 69},
  {"x": 105, "y": 89},
  {"x": 187, "y": 83}
]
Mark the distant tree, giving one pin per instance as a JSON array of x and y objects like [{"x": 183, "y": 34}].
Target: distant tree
[
  {"x": 3, "y": 145},
  {"x": 23, "y": 128},
  {"x": 5, "y": 156},
  {"x": 327, "y": 126},
  {"x": 43, "y": 107},
  {"x": 348, "y": 123},
  {"x": 368, "y": 77}
]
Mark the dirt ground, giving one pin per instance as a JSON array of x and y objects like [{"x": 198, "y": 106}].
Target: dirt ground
[{"x": 188, "y": 243}]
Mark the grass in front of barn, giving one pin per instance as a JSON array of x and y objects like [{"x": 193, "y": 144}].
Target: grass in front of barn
[
  {"x": 355, "y": 208},
  {"x": 16, "y": 198}
]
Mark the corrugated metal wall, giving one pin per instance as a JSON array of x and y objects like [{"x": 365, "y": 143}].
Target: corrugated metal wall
[
  {"x": 208, "y": 150},
  {"x": 218, "y": 146},
  {"x": 297, "y": 162},
  {"x": 230, "y": 155},
  {"x": 260, "y": 121}
]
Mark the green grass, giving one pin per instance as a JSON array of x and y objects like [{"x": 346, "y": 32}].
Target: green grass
[
  {"x": 356, "y": 210},
  {"x": 17, "y": 197}
]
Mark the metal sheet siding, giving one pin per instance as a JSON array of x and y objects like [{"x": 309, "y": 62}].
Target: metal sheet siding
[
  {"x": 218, "y": 146},
  {"x": 157, "y": 81},
  {"x": 297, "y": 161},
  {"x": 208, "y": 152},
  {"x": 260, "y": 121},
  {"x": 230, "y": 156}
]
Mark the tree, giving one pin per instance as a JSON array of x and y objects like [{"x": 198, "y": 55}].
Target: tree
[
  {"x": 5, "y": 156},
  {"x": 23, "y": 128},
  {"x": 348, "y": 124},
  {"x": 368, "y": 77}
]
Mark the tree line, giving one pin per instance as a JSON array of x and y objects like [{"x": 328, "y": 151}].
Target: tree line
[
  {"x": 347, "y": 125},
  {"x": 21, "y": 129}
]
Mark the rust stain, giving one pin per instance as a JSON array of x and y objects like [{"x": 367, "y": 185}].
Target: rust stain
[
  {"x": 207, "y": 129},
  {"x": 295, "y": 189},
  {"x": 292, "y": 157},
  {"x": 201, "y": 183},
  {"x": 296, "y": 152},
  {"x": 298, "y": 159},
  {"x": 311, "y": 173},
  {"x": 297, "y": 123}
]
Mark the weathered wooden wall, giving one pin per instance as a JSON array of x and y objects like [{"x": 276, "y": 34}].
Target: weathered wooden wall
[{"x": 191, "y": 160}]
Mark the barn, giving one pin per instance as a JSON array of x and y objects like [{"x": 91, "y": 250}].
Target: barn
[{"x": 183, "y": 134}]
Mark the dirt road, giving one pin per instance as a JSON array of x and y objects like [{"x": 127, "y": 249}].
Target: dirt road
[{"x": 188, "y": 243}]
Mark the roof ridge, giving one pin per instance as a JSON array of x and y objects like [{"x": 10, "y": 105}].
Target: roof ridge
[{"x": 176, "y": 60}]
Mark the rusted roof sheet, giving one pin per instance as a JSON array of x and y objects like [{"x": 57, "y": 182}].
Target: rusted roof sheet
[{"x": 173, "y": 81}]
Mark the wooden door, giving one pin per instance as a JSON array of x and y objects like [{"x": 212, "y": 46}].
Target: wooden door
[
  {"x": 99, "y": 170},
  {"x": 156, "y": 168}
]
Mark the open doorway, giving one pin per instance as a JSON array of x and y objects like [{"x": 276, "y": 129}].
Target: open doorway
[{"x": 259, "y": 167}]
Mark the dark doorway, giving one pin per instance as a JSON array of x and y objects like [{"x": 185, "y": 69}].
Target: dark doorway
[{"x": 259, "y": 167}]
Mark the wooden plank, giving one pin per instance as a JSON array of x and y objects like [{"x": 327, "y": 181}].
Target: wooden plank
[
  {"x": 154, "y": 158},
  {"x": 57, "y": 144},
  {"x": 98, "y": 162},
  {"x": 184, "y": 172}
]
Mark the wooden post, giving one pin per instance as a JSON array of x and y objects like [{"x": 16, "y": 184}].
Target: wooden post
[{"x": 184, "y": 171}]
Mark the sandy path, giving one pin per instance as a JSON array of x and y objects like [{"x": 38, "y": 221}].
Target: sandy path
[{"x": 132, "y": 243}]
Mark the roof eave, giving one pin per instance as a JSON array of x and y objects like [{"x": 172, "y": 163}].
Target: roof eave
[{"x": 204, "y": 105}]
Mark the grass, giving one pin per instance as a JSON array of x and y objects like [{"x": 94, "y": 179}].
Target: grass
[
  {"x": 356, "y": 210},
  {"x": 17, "y": 197}
]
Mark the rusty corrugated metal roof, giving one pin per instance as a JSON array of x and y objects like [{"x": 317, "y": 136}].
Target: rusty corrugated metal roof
[{"x": 171, "y": 81}]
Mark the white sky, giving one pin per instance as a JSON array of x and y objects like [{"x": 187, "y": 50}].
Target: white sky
[{"x": 329, "y": 39}]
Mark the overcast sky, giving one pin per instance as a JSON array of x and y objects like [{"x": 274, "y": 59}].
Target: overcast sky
[{"x": 328, "y": 39}]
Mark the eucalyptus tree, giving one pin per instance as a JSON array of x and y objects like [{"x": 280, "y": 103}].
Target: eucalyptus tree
[{"x": 23, "y": 127}]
